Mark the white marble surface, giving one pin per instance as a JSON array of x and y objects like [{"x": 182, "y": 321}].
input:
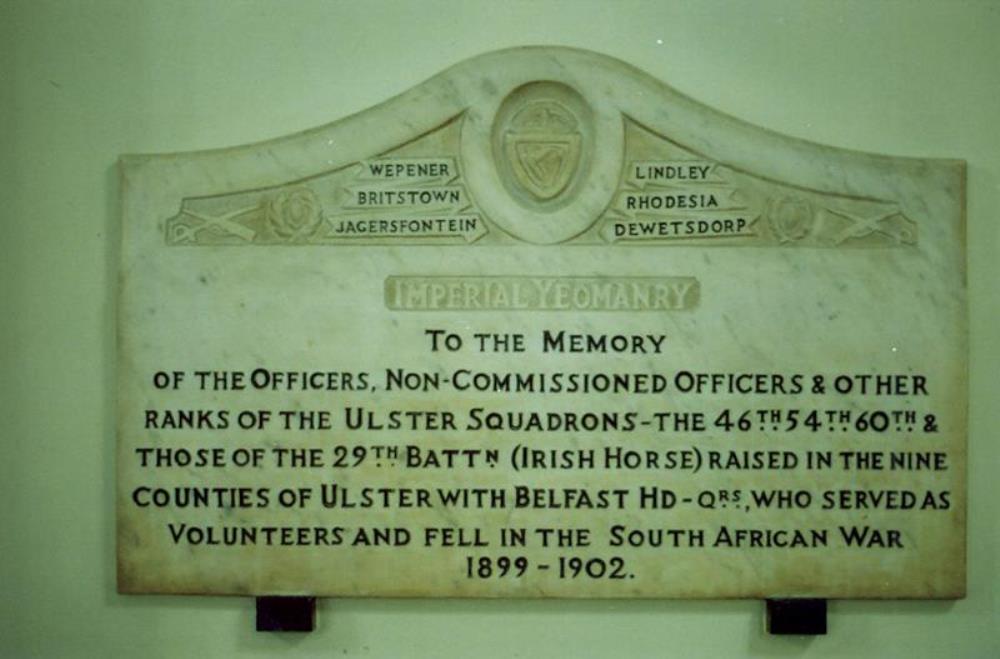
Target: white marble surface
[{"x": 822, "y": 261}]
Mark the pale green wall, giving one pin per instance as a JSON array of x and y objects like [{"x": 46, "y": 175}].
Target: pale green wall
[{"x": 84, "y": 82}]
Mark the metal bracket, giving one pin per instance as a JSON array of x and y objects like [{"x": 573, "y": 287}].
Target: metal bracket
[
  {"x": 805, "y": 617},
  {"x": 286, "y": 614}
]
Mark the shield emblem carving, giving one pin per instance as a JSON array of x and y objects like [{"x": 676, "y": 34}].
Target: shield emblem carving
[{"x": 543, "y": 148}]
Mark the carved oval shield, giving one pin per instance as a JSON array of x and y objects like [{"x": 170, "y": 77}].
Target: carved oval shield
[
  {"x": 542, "y": 140},
  {"x": 542, "y": 146},
  {"x": 541, "y": 159}
]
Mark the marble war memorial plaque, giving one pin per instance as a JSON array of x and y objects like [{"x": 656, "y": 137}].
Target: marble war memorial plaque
[{"x": 542, "y": 327}]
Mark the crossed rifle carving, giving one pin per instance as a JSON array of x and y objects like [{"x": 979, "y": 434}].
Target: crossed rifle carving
[
  {"x": 866, "y": 226},
  {"x": 185, "y": 233}
]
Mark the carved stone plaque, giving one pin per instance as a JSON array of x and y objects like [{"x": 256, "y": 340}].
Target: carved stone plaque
[{"x": 542, "y": 327}]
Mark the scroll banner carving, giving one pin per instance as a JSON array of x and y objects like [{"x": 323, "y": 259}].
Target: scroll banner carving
[{"x": 542, "y": 327}]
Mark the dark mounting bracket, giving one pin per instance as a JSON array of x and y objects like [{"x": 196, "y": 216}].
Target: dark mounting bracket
[
  {"x": 286, "y": 614},
  {"x": 805, "y": 617}
]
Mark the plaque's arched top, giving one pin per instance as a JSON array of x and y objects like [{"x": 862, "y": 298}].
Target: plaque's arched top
[{"x": 550, "y": 145}]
